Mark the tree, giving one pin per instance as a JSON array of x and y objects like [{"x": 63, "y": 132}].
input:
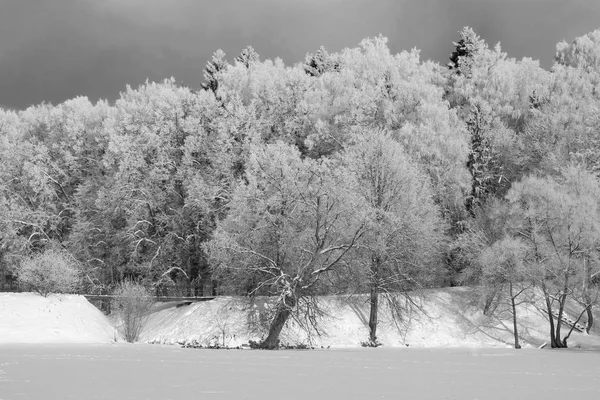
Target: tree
[
  {"x": 53, "y": 271},
  {"x": 492, "y": 94},
  {"x": 290, "y": 224},
  {"x": 319, "y": 63},
  {"x": 167, "y": 163},
  {"x": 213, "y": 69},
  {"x": 490, "y": 225},
  {"x": 402, "y": 95},
  {"x": 560, "y": 225},
  {"x": 13, "y": 244},
  {"x": 467, "y": 48},
  {"x": 403, "y": 241},
  {"x": 132, "y": 303},
  {"x": 480, "y": 158},
  {"x": 503, "y": 265},
  {"x": 583, "y": 53},
  {"x": 247, "y": 57},
  {"x": 564, "y": 125}
]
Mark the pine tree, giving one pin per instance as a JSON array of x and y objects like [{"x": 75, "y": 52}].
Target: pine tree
[
  {"x": 480, "y": 158},
  {"x": 248, "y": 57},
  {"x": 466, "y": 48},
  {"x": 212, "y": 69},
  {"x": 320, "y": 62}
]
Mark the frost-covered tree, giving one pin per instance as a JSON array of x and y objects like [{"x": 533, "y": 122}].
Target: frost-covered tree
[
  {"x": 559, "y": 222},
  {"x": 467, "y": 48},
  {"x": 564, "y": 123},
  {"x": 290, "y": 224},
  {"x": 583, "y": 53},
  {"x": 53, "y": 271},
  {"x": 504, "y": 268},
  {"x": 401, "y": 249},
  {"x": 247, "y": 57},
  {"x": 321, "y": 62},
  {"x": 166, "y": 167},
  {"x": 212, "y": 70}
]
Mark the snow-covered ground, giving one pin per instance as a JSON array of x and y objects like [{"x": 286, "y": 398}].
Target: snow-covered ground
[
  {"x": 450, "y": 318},
  {"x": 35, "y": 364},
  {"x": 31, "y": 318},
  {"x": 167, "y": 372}
]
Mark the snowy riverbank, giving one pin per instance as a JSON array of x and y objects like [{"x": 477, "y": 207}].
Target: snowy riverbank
[{"x": 450, "y": 319}]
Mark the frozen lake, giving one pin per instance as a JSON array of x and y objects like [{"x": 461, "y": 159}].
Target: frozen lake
[{"x": 161, "y": 372}]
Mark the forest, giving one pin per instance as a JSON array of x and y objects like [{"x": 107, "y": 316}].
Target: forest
[{"x": 357, "y": 172}]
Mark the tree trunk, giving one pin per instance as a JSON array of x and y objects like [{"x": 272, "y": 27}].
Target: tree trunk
[
  {"x": 590, "y": 319},
  {"x": 373, "y": 315},
  {"x": 489, "y": 301},
  {"x": 283, "y": 312},
  {"x": 550, "y": 316},
  {"x": 375, "y": 268},
  {"x": 514, "y": 314},
  {"x": 586, "y": 296},
  {"x": 561, "y": 312}
]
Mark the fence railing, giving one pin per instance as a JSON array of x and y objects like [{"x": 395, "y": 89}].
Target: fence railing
[{"x": 191, "y": 289}]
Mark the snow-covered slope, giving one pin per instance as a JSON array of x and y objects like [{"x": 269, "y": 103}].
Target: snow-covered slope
[
  {"x": 449, "y": 318},
  {"x": 31, "y": 318}
]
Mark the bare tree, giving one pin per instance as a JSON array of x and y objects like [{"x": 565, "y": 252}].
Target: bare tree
[{"x": 132, "y": 303}]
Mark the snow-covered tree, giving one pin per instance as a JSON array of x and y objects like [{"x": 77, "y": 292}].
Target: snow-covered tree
[
  {"x": 290, "y": 224},
  {"x": 401, "y": 249}
]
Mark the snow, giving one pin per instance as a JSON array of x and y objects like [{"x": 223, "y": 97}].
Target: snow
[
  {"x": 58, "y": 347},
  {"x": 123, "y": 371},
  {"x": 451, "y": 318},
  {"x": 31, "y": 318}
]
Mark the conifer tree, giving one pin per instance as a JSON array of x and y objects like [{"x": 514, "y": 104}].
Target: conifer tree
[
  {"x": 320, "y": 62},
  {"x": 467, "y": 47},
  {"x": 212, "y": 69},
  {"x": 247, "y": 57}
]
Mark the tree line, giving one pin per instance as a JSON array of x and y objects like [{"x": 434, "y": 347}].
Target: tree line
[{"x": 357, "y": 172}]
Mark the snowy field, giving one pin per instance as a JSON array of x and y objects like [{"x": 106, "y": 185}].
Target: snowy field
[{"x": 122, "y": 371}]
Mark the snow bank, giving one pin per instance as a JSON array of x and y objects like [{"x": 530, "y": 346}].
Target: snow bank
[
  {"x": 449, "y": 318},
  {"x": 31, "y": 318}
]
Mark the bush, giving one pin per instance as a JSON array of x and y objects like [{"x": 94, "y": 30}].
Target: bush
[
  {"x": 53, "y": 271},
  {"x": 132, "y": 303}
]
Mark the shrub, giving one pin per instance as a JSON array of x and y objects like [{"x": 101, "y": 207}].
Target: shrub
[
  {"x": 132, "y": 303},
  {"x": 53, "y": 271}
]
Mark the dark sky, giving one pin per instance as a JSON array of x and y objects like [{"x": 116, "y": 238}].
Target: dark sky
[{"x": 52, "y": 50}]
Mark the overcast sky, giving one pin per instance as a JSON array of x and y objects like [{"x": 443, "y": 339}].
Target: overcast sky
[{"x": 53, "y": 50}]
